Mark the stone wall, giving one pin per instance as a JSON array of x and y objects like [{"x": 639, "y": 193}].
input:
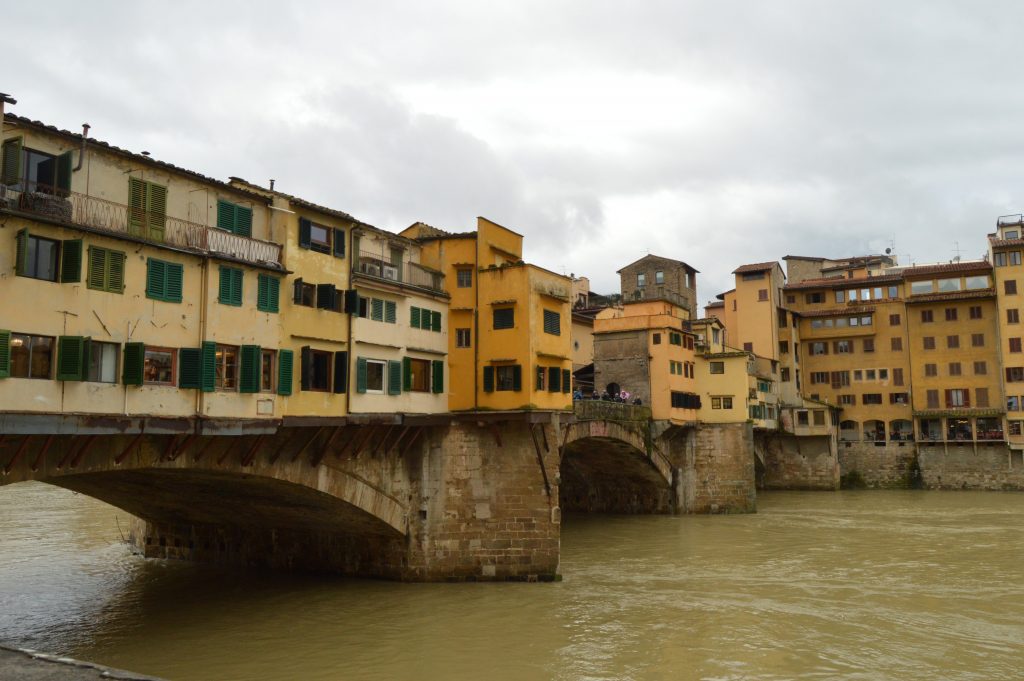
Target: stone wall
[
  {"x": 715, "y": 469},
  {"x": 886, "y": 466},
  {"x": 988, "y": 468},
  {"x": 623, "y": 358},
  {"x": 791, "y": 462}
]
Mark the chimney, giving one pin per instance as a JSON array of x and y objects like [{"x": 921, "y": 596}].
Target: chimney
[{"x": 5, "y": 99}]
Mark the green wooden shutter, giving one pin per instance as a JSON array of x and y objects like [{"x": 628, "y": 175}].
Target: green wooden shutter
[
  {"x": 5, "y": 354},
  {"x": 21, "y": 253},
  {"x": 406, "y": 374},
  {"x": 390, "y": 311},
  {"x": 437, "y": 376},
  {"x": 394, "y": 377},
  {"x": 554, "y": 382},
  {"x": 360, "y": 375},
  {"x": 249, "y": 378},
  {"x": 285, "y": 360},
  {"x": 436, "y": 321},
  {"x": 377, "y": 309},
  {"x": 97, "y": 268},
  {"x": 10, "y": 172},
  {"x": 190, "y": 368},
  {"x": 173, "y": 287},
  {"x": 225, "y": 215},
  {"x": 339, "y": 243},
  {"x": 156, "y": 210},
  {"x": 273, "y": 294},
  {"x": 305, "y": 367},
  {"x": 414, "y": 317},
  {"x": 517, "y": 378},
  {"x": 115, "y": 272},
  {"x": 136, "y": 206},
  {"x": 262, "y": 292},
  {"x": 156, "y": 278},
  {"x": 243, "y": 221},
  {"x": 134, "y": 363},
  {"x": 64, "y": 174},
  {"x": 305, "y": 233},
  {"x": 71, "y": 360},
  {"x": 230, "y": 286},
  {"x": 352, "y": 301},
  {"x": 340, "y": 371},
  {"x": 208, "y": 368},
  {"x": 566, "y": 380},
  {"x": 488, "y": 379},
  {"x": 71, "y": 261}
]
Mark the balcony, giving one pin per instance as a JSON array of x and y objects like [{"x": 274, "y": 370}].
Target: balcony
[
  {"x": 407, "y": 273},
  {"x": 119, "y": 219}
]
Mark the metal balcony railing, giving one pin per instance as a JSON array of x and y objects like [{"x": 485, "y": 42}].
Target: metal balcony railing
[
  {"x": 377, "y": 266},
  {"x": 117, "y": 218}
]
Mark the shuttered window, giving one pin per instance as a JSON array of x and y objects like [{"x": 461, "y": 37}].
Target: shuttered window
[
  {"x": 268, "y": 293},
  {"x": 251, "y": 363},
  {"x": 147, "y": 209},
  {"x": 554, "y": 379},
  {"x": 437, "y": 376},
  {"x": 230, "y": 286},
  {"x": 377, "y": 310},
  {"x": 106, "y": 270},
  {"x": 234, "y": 218},
  {"x": 10, "y": 170},
  {"x": 5, "y": 353},
  {"x": 488, "y": 379},
  {"x": 71, "y": 261},
  {"x": 504, "y": 318},
  {"x": 552, "y": 323},
  {"x": 390, "y": 311},
  {"x": 164, "y": 280},
  {"x": 394, "y": 377},
  {"x": 285, "y": 362},
  {"x": 422, "y": 318},
  {"x": 72, "y": 358},
  {"x": 190, "y": 368},
  {"x": 566, "y": 380},
  {"x": 134, "y": 363}
]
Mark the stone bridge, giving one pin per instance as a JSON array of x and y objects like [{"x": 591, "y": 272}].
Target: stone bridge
[{"x": 464, "y": 496}]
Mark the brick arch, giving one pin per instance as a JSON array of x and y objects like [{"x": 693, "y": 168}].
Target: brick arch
[{"x": 631, "y": 438}]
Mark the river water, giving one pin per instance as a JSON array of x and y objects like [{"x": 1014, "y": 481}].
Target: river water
[{"x": 852, "y": 585}]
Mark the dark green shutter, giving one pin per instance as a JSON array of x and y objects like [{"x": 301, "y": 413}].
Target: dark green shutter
[
  {"x": 243, "y": 221},
  {"x": 97, "y": 268},
  {"x": 414, "y": 317},
  {"x": 285, "y": 360},
  {"x": 156, "y": 210},
  {"x": 488, "y": 379},
  {"x": 230, "y": 289},
  {"x": 437, "y": 376},
  {"x": 326, "y": 296},
  {"x": 5, "y": 354},
  {"x": 517, "y": 378},
  {"x": 554, "y": 382},
  {"x": 71, "y": 360},
  {"x": 273, "y": 294},
  {"x": 406, "y": 374},
  {"x": 136, "y": 205},
  {"x": 360, "y": 375},
  {"x": 305, "y": 367},
  {"x": 394, "y": 377},
  {"x": 339, "y": 243},
  {"x": 134, "y": 363},
  {"x": 114, "y": 272},
  {"x": 174, "y": 283},
  {"x": 352, "y": 301},
  {"x": 262, "y": 292},
  {"x": 190, "y": 372},
  {"x": 225, "y": 216},
  {"x": 340, "y": 371},
  {"x": 377, "y": 309},
  {"x": 156, "y": 277},
  {"x": 64, "y": 173},
  {"x": 249, "y": 378},
  {"x": 21, "y": 253},
  {"x": 71, "y": 261},
  {"x": 208, "y": 381},
  {"x": 566, "y": 380},
  {"x": 10, "y": 172},
  {"x": 305, "y": 233},
  {"x": 436, "y": 321},
  {"x": 390, "y": 311}
]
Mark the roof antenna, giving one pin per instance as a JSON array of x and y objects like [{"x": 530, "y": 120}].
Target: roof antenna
[
  {"x": 272, "y": 185},
  {"x": 956, "y": 249}
]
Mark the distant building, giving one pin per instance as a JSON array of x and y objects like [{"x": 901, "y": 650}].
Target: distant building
[{"x": 653, "y": 277}]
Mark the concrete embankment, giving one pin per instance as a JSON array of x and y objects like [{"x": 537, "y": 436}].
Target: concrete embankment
[{"x": 30, "y": 665}]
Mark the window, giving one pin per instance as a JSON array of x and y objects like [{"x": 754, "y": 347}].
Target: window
[
  {"x": 37, "y": 257},
  {"x": 948, "y": 285},
  {"x": 463, "y": 338},
  {"x": 504, "y": 318},
  {"x": 659, "y": 277},
  {"x": 226, "y": 367},
  {"x": 896, "y": 343},
  {"x": 1014, "y": 374},
  {"x": 813, "y": 298},
  {"x": 899, "y": 398},
  {"x": 753, "y": 276},
  {"x": 843, "y": 347},
  {"x": 783, "y": 347},
  {"x": 762, "y": 294},
  {"x": 684, "y": 400},
  {"x": 858, "y": 374},
  {"x": 848, "y": 400},
  {"x": 716, "y": 402},
  {"x": 268, "y": 363},
  {"x": 784, "y": 375},
  {"x": 865, "y": 294},
  {"x": 507, "y": 377},
  {"x": 234, "y": 218},
  {"x": 840, "y": 379},
  {"x": 230, "y": 291},
  {"x": 999, "y": 259},
  {"x": 790, "y": 299},
  {"x": 980, "y": 368},
  {"x": 656, "y": 339},
  {"x": 894, "y": 320},
  {"x": 950, "y": 314},
  {"x": 819, "y": 377},
  {"x": 802, "y": 418},
  {"x": 315, "y": 237},
  {"x": 869, "y": 345},
  {"x": 422, "y": 318},
  {"x": 464, "y": 277},
  {"x": 931, "y": 369},
  {"x": 542, "y": 375},
  {"x": 871, "y": 398},
  {"x": 268, "y": 293},
  {"x": 958, "y": 397},
  {"x": 932, "y": 397},
  {"x": 869, "y": 374},
  {"x": 893, "y": 292},
  {"x": 375, "y": 370},
  {"x": 978, "y": 340},
  {"x": 31, "y": 356},
  {"x": 34, "y": 171},
  {"x": 1015, "y": 426},
  {"x": 819, "y": 348},
  {"x": 716, "y": 367},
  {"x": 840, "y": 296},
  {"x": 641, "y": 280},
  {"x": 928, "y": 342},
  {"x": 147, "y": 209},
  {"x": 1014, "y": 257},
  {"x": 1015, "y": 345},
  {"x": 978, "y": 282},
  {"x": 106, "y": 270},
  {"x": 1013, "y": 404},
  {"x": 975, "y": 312},
  {"x": 417, "y": 374},
  {"x": 926, "y": 316},
  {"x": 552, "y": 323},
  {"x": 163, "y": 280},
  {"x": 897, "y": 376},
  {"x": 981, "y": 397},
  {"x": 748, "y": 347},
  {"x": 952, "y": 342},
  {"x": 954, "y": 368},
  {"x": 1010, "y": 287},
  {"x": 1013, "y": 316},
  {"x": 158, "y": 367},
  {"x": 305, "y": 294},
  {"x": 103, "y": 362}
]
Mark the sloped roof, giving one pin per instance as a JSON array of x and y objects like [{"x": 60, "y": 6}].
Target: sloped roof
[
  {"x": 944, "y": 268},
  {"x": 756, "y": 267},
  {"x": 957, "y": 295},
  {"x": 651, "y": 256}
]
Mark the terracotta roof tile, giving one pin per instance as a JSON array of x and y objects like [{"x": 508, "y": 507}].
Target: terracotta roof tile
[
  {"x": 958, "y": 295},
  {"x": 838, "y": 311},
  {"x": 837, "y": 282},
  {"x": 755, "y": 267},
  {"x": 963, "y": 266},
  {"x": 997, "y": 243}
]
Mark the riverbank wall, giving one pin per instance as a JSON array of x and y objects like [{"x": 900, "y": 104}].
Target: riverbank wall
[{"x": 902, "y": 465}]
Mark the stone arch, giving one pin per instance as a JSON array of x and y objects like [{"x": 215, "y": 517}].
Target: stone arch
[
  {"x": 901, "y": 430},
  {"x": 874, "y": 430}
]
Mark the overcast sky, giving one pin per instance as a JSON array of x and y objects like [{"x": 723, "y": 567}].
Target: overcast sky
[{"x": 718, "y": 133}]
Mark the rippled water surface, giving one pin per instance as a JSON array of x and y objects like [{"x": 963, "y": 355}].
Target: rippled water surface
[{"x": 852, "y": 585}]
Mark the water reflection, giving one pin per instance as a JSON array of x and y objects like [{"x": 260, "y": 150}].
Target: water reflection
[{"x": 860, "y": 585}]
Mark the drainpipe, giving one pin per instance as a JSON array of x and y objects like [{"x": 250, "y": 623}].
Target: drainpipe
[
  {"x": 203, "y": 292},
  {"x": 351, "y": 348},
  {"x": 81, "y": 150}
]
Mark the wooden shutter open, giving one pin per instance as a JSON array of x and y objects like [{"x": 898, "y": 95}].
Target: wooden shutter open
[
  {"x": 406, "y": 374},
  {"x": 71, "y": 261},
  {"x": 437, "y": 376},
  {"x": 249, "y": 369},
  {"x": 360, "y": 375},
  {"x": 71, "y": 360},
  {"x": 340, "y": 371},
  {"x": 21, "y": 253},
  {"x": 10, "y": 171},
  {"x": 134, "y": 363},
  {"x": 488, "y": 379},
  {"x": 394, "y": 377},
  {"x": 305, "y": 368},
  {"x": 208, "y": 374},
  {"x": 64, "y": 165},
  {"x": 305, "y": 233},
  {"x": 190, "y": 368},
  {"x": 5, "y": 353},
  {"x": 285, "y": 360},
  {"x": 517, "y": 377},
  {"x": 566, "y": 380}
]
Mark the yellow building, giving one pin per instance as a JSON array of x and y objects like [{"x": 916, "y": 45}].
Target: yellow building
[
  {"x": 509, "y": 338},
  {"x": 1005, "y": 246},
  {"x": 132, "y": 286}
]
